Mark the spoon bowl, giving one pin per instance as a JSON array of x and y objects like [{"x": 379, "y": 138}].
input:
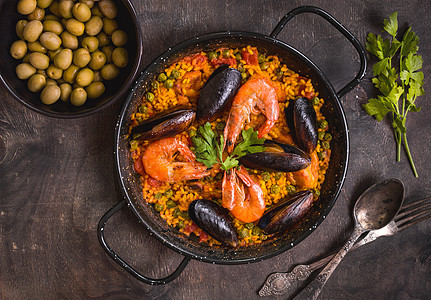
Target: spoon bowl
[{"x": 379, "y": 204}]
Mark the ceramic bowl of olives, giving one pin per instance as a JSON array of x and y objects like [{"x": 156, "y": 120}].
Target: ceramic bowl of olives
[{"x": 66, "y": 58}]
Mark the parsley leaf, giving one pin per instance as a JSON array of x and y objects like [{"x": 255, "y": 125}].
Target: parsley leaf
[
  {"x": 399, "y": 90},
  {"x": 209, "y": 147},
  {"x": 205, "y": 146},
  {"x": 391, "y": 25}
]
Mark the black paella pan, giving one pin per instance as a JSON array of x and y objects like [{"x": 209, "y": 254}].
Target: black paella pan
[{"x": 189, "y": 246}]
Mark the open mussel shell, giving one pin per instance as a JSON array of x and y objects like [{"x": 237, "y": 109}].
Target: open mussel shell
[
  {"x": 214, "y": 220},
  {"x": 302, "y": 121},
  {"x": 277, "y": 157},
  {"x": 287, "y": 214},
  {"x": 217, "y": 93},
  {"x": 165, "y": 125}
]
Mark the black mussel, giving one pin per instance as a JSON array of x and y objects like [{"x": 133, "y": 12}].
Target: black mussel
[
  {"x": 277, "y": 157},
  {"x": 302, "y": 121},
  {"x": 166, "y": 124},
  {"x": 214, "y": 220},
  {"x": 217, "y": 93},
  {"x": 287, "y": 214}
]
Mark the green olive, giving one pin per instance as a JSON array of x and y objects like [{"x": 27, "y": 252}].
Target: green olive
[
  {"x": 65, "y": 7},
  {"x": 120, "y": 57},
  {"x": 63, "y": 59},
  {"x": 65, "y": 91},
  {"x": 50, "y": 81},
  {"x": 69, "y": 75},
  {"x": 108, "y": 52},
  {"x": 109, "y": 72},
  {"x": 98, "y": 60},
  {"x": 93, "y": 26},
  {"x": 50, "y": 94},
  {"x": 91, "y": 43},
  {"x": 25, "y": 7},
  {"x": 32, "y": 30},
  {"x": 44, "y": 3},
  {"x": 26, "y": 58},
  {"x": 25, "y": 70},
  {"x": 50, "y": 40},
  {"x": 75, "y": 27},
  {"x": 84, "y": 77},
  {"x": 119, "y": 38},
  {"x": 95, "y": 11},
  {"x": 78, "y": 96},
  {"x": 109, "y": 26},
  {"x": 81, "y": 12},
  {"x": 39, "y": 60},
  {"x": 53, "y": 53},
  {"x": 36, "y": 83},
  {"x": 54, "y": 8},
  {"x": 90, "y": 3},
  {"x": 108, "y": 8},
  {"x": 95, "y": 90},
  {"x": 18, "y": 49},
  {"x": 52, "y": 18},
  {"x": 69, "y": 40},
  {"x": 19, "y": 28},
  {"x": 81, "y": 57},
  {"x": 54, "y": 72},
  {"x": 63, "y": 22},
  {"x": 97, "y": 76},
  {"x": 37, "y": 14},
  {"x": 103, "y": 39},
  {"x": 53, "y": 26},
  {"x": 42, "y": 72}
]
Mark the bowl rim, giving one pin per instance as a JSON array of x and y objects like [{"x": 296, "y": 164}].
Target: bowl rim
[
  {"x": 112, "y": 99},
  {"x": 121, "y": 122}
]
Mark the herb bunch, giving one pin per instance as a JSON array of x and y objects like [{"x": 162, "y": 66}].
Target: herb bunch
[
  {"x": 209, "y": 147},
  {"x": 399, "y": 90}
]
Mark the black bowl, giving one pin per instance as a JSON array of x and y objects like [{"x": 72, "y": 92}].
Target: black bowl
[{"x": 115, "y": 89}]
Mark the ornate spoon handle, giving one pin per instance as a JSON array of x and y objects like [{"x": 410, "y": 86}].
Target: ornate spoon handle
[
  {"x": 281, "y": 283},
  {"x": 313, "y": 290}
]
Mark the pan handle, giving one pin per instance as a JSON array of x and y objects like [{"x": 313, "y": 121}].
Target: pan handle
[
  {"x": 340, "y": 28},
  {"x": 122, "y": 263}
]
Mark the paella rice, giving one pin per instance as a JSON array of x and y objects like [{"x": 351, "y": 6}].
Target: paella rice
[{"x": 176, "y": 87}]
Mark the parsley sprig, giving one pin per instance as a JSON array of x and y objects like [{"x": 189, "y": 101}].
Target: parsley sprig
[
  {"x": 396, "y": 89},
  {"x": 209, "y": 147}
]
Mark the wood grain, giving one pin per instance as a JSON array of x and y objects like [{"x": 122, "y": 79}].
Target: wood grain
[{"x": 57, "y": 176}]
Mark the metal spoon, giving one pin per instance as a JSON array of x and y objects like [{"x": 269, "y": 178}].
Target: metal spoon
[{"x": 374, "y": 209}]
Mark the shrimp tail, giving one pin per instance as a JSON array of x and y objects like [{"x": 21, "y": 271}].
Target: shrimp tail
[
  {"x": 242, "y": 196},
  {"x": 265, "y": 128}
]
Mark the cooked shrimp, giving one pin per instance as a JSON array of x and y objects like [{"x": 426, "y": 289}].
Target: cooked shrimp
[
  {"x": 190, "y": 84},
  {"x": 242, "y": 196},
  {"x": 256, "y": 95},
  {"x": 159, "y": 161},
  {"x": 307, "y": 178}
]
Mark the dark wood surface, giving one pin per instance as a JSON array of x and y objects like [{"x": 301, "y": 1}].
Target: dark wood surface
[{"x": 57, "y": 177}]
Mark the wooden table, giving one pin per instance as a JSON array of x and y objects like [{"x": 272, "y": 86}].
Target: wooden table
[{"x": 57, "y": 176}]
